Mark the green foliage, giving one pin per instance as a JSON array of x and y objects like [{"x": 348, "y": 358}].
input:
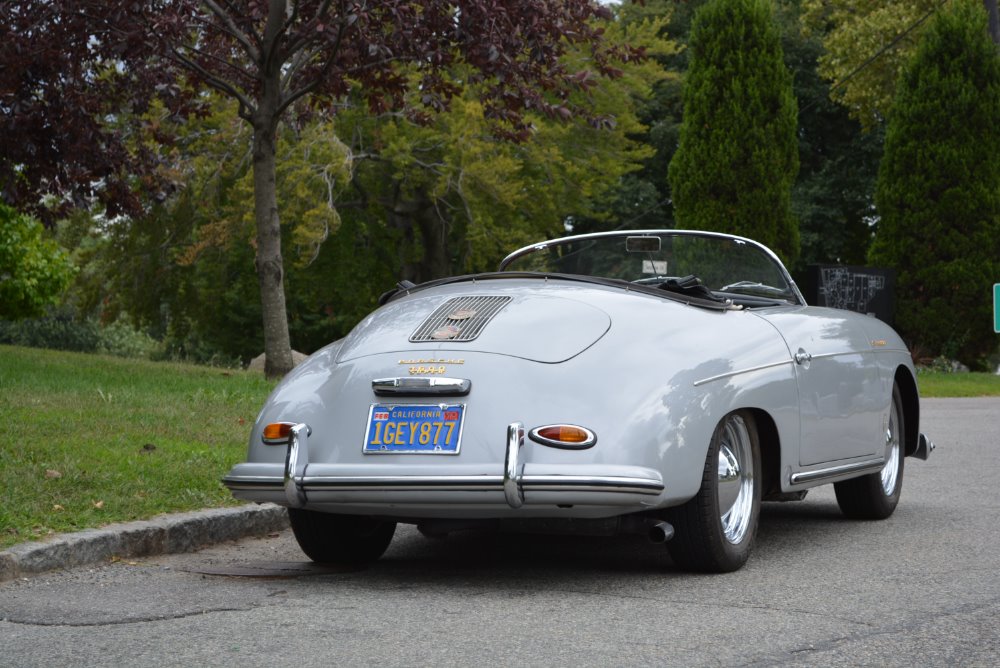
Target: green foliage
[
  {"x": 853, "y": 33},
  {"x": 641, "y": 199},
  {"x": 939, "y": 188},
  {"x": 122, "y": 340},
  {"x": 61, "y": 329},
  {"x": 366, "y": 200},
  {"x": 738, "y": 154},
  {"x": 33, "y": 269},
  {"x": 833, "y": 196},
  {"x": 454, "y": 199}
]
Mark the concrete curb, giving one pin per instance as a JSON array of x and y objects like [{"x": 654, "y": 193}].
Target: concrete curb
[{"x": 180, "y": 532}]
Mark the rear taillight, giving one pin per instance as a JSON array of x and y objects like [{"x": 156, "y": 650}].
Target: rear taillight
[
  {"x": 566, "y": 436},
  {"x": 277, "y": 433}
]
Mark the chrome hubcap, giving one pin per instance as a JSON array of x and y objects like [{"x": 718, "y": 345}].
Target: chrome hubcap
[
  {"x": 890, "y": 472},
  {"x": 736, "y": 479}
]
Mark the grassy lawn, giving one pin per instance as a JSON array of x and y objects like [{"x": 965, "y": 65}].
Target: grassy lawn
[
  {"x": 89, "y": 440},
  {"x": 937, "y": 384}
]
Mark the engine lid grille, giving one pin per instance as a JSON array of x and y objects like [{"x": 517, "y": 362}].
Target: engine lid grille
[{"x": 459, "y": 319}]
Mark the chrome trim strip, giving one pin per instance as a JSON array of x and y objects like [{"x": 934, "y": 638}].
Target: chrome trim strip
[
  {"x": 807, "y": 358},
  {"x": 418, "y": 386},
  {"x": 761, "y": 367},
  {"x": 540, "y": 483},
  {"x": 838, "y": 354},
  {"x": 511, "y": 474},
  {"x": 295, "y": 465},
  {"x": 834, "y": 471},
  {"x": 558, "y": 483},
  {"x": 248, "y": 483}
]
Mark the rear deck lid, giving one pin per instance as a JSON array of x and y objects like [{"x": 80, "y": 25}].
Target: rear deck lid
[{"x": 534, "y": 326}]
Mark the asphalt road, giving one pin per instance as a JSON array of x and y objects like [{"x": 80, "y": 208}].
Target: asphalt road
[{"x": 919, "y": 589}]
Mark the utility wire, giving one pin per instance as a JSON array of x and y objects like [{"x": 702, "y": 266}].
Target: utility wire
[{"x": 857, "y": 70}]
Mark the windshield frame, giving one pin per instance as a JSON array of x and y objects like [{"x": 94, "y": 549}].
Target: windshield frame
[{"x": 544, "y": 245}]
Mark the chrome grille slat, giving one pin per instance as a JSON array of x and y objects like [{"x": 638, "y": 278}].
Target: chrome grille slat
[{"x": 484, "y": 309}]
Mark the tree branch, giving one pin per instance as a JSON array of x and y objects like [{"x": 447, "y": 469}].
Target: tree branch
[
  {"x": 233, "y": 30},
  {"x": 247, "y": 107},
  {"x": 273, "y": 28},
  {"x": 298, "y": 42}
]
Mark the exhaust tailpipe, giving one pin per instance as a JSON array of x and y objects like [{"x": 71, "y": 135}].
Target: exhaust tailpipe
[
  {"x": 656, "y": 530},
  {"x": 659, "y": 532}
]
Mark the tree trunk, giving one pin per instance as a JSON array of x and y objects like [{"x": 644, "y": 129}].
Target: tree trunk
[
  {"x": 994, "y": 19},
  {"x": 270, "y": 270},
  {"x": 415, "y": 215},
  {"x": 436, "y": 262}
]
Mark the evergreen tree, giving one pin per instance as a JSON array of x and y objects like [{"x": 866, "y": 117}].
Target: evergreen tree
[
  {"x": 738, "y": 153},
  {"x": 834, "y": 195},
  {"x": 938, "y": 193}
]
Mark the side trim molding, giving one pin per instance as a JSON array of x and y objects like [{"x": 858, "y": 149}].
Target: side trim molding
[{"x": 871, "y": 465}]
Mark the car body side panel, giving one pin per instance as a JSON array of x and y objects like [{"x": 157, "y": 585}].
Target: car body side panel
[{"x": 844, "y": 383}]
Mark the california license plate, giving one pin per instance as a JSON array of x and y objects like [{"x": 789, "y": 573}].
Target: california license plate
[{"x": 433, "y": 430}]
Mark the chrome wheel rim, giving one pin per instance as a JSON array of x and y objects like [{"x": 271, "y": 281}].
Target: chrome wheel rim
[
  {"x": 890, "y": 472},
  {"x": 736, "y": 479}
]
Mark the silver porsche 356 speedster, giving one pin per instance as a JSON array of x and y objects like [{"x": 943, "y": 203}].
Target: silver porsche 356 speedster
[{"x": 656, "y": 382}]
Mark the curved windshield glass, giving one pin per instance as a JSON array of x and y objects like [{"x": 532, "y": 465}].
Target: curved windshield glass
[{"x": 723, "y": 264}]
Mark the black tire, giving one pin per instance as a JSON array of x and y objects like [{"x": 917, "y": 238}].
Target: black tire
[
  {"x": 715, "y": 530},
  {"x": 875, "y": 496},
  {"x": 340, "y": 539}
]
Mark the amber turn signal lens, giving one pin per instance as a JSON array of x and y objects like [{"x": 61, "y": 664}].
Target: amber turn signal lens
[
  {"x": 564, "y": 434},
  {"x": 277, "y": 433}
]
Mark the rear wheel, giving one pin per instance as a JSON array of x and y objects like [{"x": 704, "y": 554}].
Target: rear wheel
[
  {"x": 875, "y": 496},
  {"x": 342, "y": 539},
  {"x": 714, "y": 531}
]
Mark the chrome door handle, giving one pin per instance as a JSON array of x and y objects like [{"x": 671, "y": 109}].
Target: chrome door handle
[{"x": 802, "y": 357}]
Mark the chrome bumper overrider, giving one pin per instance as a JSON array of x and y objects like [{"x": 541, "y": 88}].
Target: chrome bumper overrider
[
  {"x": 513, "y": 488},
  {"x": 295, "y": 465}
]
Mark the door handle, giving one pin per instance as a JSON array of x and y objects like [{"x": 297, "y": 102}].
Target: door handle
[{"x": 802, "y": 357}]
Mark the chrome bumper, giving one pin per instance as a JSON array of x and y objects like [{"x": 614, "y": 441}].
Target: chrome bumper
[{"x": 514, "y": 487}]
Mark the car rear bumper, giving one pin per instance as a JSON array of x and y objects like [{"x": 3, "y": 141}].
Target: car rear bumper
[
  {"x": 454, "y": 496},
  {"x": 516, "y": 490}
]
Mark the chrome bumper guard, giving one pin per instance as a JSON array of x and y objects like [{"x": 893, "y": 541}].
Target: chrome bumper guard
[
  {"x": 295, "y": 465},
  {"x": 512, "y": 473}
]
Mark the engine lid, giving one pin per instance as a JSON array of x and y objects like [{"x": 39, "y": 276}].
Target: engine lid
[{"x": 538, "y": 327}]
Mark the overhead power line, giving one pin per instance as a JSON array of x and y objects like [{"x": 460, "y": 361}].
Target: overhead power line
[{"x": 871, "y": 59}]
